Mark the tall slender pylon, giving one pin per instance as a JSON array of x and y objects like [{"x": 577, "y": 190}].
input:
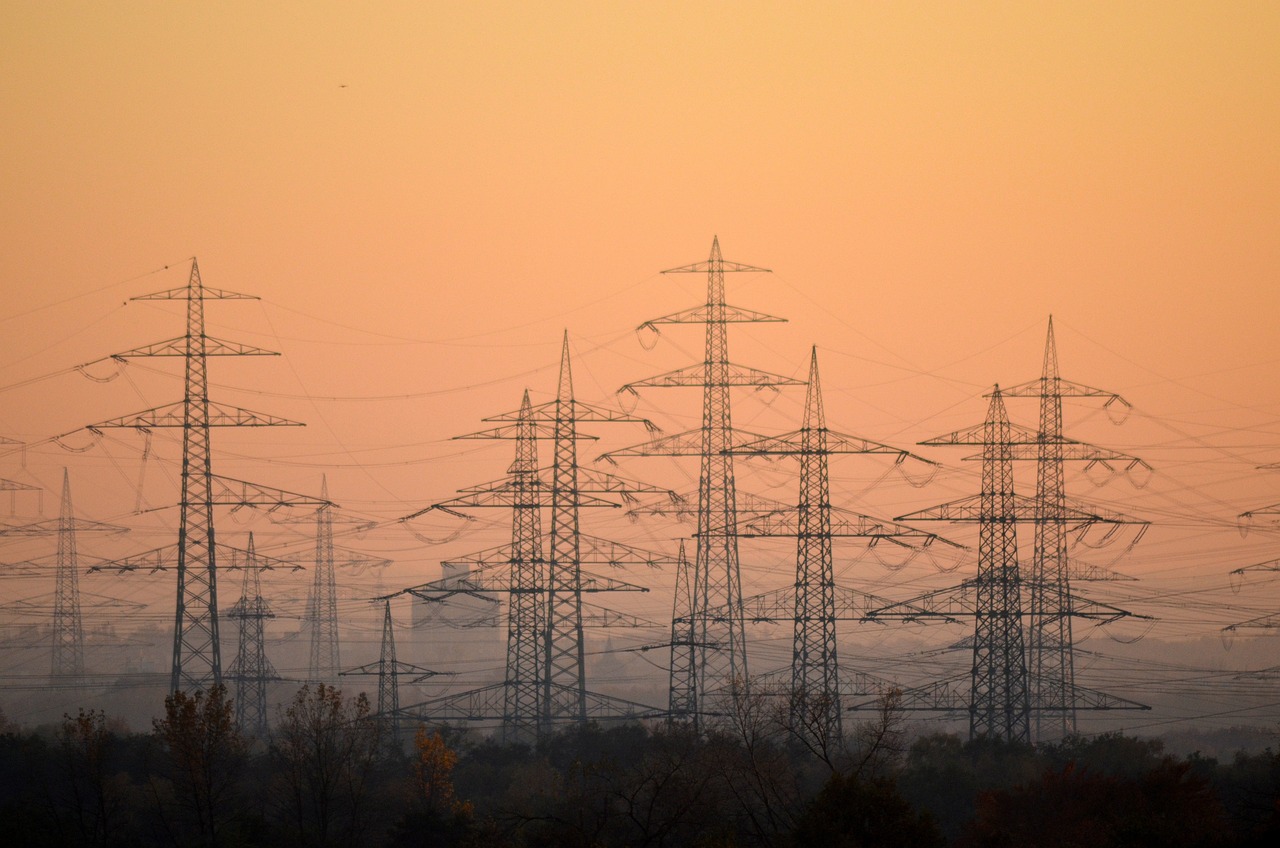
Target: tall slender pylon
[
  {"x": 68, "y": 627},
  {"x": 545, "y": 680},
  {"x": 322, "y": 607},
  {"x": 389, "y": 670},
  {"x": 719, "y": 642},
  {"x": 527, "y": 611},
  {"x": 1051, "y": 654},
  {"x": 197, "y": 653},
  {"x": 999, "y": 707},
  {"x": 815, "y": 708},
  {"x": 682, "y": 689},
  {"x": 251, "y": 669}
]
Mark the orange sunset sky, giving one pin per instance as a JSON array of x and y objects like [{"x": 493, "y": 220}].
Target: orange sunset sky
[{"x": 426, "y": 195}]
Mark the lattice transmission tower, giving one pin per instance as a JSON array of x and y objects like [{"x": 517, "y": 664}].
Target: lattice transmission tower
[
  {"x": 1269, "y": 515},
  {"x": 252, "y": 671},
  {"x": 815, "y": 693},
  {"x": 389, "y": 670},
  {"x": 999, "y": 699},
  {"x": 322, "y": 603},
  {"x": 67, "y": 655},
  {"x": 545, "y": 679},
  {"x": 197, "y": 655},
  {"x": 68, "y": 627},
  {"x": 1050, "y": 643},
  {"x": 718, "y": 643}
]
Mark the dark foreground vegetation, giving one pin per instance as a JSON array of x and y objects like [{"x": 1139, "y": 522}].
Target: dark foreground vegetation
[{"x": 330, "y": 777}]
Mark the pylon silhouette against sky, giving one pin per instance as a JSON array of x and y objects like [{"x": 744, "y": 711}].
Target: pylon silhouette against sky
[
  {"x": 322, "y": 603},
  {"x": 999, "y": 705},
  {"x": 251, "y": 670},
  {"x": 998, "y": 700},
  {"x": 815, "y": 703},
  {"x": 1050, "y": 643},
  {"x": 389, "y": 670},
  {"x": 545, "y": 679},
  {"x": 197, "y": 653},
  {"x": 67, "y": 654},
  {"x": 718, "y": 643},
  {"x": 68, "y": 627}
]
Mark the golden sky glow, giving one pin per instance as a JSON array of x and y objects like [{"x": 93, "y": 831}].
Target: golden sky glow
[{"x": 426, "y": 194}]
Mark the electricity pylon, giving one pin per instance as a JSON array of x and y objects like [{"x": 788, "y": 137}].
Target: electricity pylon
[
  {"x": 545, "y": 680},
  {"x": 719, "y": 644},
  {"x": 998, "y": 700},
  {"x": 197, "y": 655},
  {"x": 388, "y": 669},
  {"x": 251, "y": 669},
  {"x": 681, "y": 691},
  {"x": 1271, "y": 515},
  {"x": 1052, "y": 661},
  {"x": 68, "y": 628},
  {"x": 67, "y": 656},
  {"x": 999, "y": 705},
  {"x": 322, "y": 606},
  {"x": 815, "y": 676}
]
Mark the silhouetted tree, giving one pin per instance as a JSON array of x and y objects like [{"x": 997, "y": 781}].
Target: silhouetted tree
[
  {"x": 325, "y": 749},
  {"x": 204, "y": 758}
]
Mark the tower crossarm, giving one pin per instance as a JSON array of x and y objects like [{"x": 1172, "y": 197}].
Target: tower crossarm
[
  {"x": 488, "y": 703},
  {"x": 206, "y": 293},
  {"x": 950, "y": 696},
  {"x": 1023, "y": 508},
  {"x": 594, "y": 615},
  {"x": 51, "y": 526},
  {"x": 731, "y": 375},
  {"x": 844, "y": 523},
  {"x": 688, "y": 443},
  {"x": 546, "y": 414},
  {"x": 231, "y": 492},
  {"x": 949, "y": 604},
  {"x": 1272, "y": 511},
  {"x": 1270, "y": 621},
  {"x": 779, "y": 605},
  {"x": 7, "y": 485},
  {"x": 1269, "y": 565},
  {"x": 374, "y": 668},
  {"x": 1072, "y": 451},
  {"x": 1058, "y": 387},
  {"x": 793, "y": 444},
  {"x": 683, "y": 505},
  {"x": 975, "y": 437},
  {"x": 702, "y": 315},
  {"x": 164, "y": 558},
  {"x": 494, "y": 580},
  {"x": 178, "y": 347},
  {"x": 173, "y": 415}
]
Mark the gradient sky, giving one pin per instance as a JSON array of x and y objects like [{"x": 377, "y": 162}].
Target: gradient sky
[{"x": 426, "y": 195}]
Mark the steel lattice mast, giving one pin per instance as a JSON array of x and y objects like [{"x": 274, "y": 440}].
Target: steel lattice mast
[
  {"x": 322, "y": 609},
  {"x": 1051, "y": 656},
  {"x": 998, "y": 700},
  {"x": 545, "y": 680},
  {"x": 527, "y": 604},
  {"x": 999, "y": 707},
  {"x": 197, "y": 656},
  {"x": 388, "y": 670},
  {"x": 682, "y": 689},
  {"x": 68, "y": 627},
  {"x": 252, "y": 670},
  {"x": 815, "y": 675},
  {"x": 719, "y": 644}
]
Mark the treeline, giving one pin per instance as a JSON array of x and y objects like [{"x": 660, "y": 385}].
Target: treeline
[{"x": 329, "y": 776}]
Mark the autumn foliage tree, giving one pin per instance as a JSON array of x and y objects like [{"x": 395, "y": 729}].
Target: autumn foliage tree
[
  {"x": 205, "y": 756},
  {"x": 325, "y": 749}
]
